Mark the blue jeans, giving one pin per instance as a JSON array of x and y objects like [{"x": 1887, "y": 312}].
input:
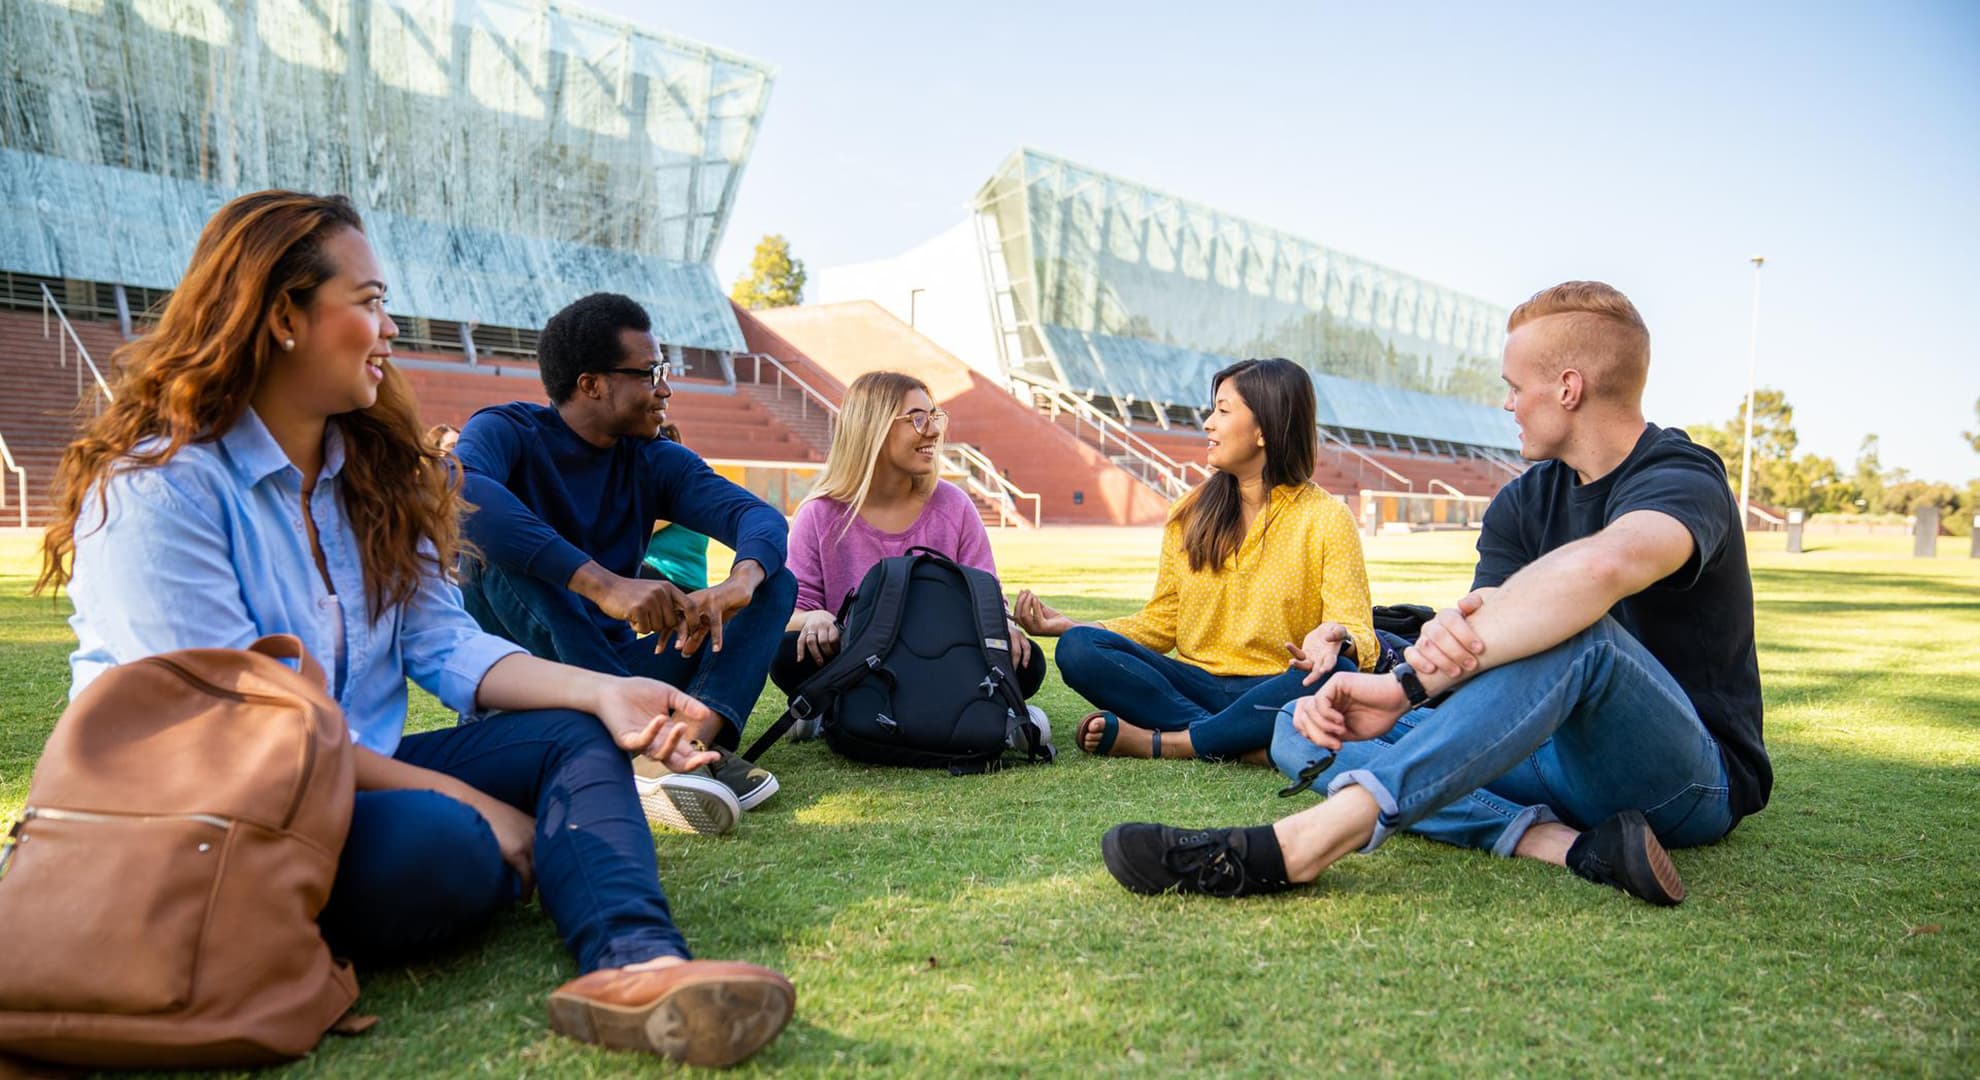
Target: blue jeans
[
  {"x": 420, "y": 870},
  {"x": 1587, "y": 729},
  {"x": 557, "y": 624},
  {"x": 1226, "y": 715}
]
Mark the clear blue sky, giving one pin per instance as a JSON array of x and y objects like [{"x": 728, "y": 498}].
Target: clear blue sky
[{"x": 1494, "y": 148}]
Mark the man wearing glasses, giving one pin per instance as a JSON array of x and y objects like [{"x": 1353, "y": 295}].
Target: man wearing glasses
[{"x": 566, "y": 497}]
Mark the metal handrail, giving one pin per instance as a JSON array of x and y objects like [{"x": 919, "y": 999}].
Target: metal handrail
[
  {"x": 968, "y": 460},
  {"x": 1771, "y": 519},
  {"x": 811, "y": 393},
  {"x": 20, "y": 480},
  {"x": 48, "y": 303},
  {"x": 1448, "y": 488},
  {"x": 1493, "y": 458},
  {"x": 1003, "y": 494},
  {"x": 1340, "y": 446},
  {"x": 1134, "y": 445}
]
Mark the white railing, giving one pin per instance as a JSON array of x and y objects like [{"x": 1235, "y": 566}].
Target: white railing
[
  {"x": 1153, "y": 467},
  {"x": 69, "y": 337},
  {"x": 20, "y": 480},
  {"x": 1344, "y": 450},
  {"x": 1419, "y": 510},
  {"x": 980, "y": 475},
  {"x": 1774, "y": 521},
  {"x": 1497, "y": 460},
  {"x": 809, "y": 396},
  {"x": 1449, "y": 489}
]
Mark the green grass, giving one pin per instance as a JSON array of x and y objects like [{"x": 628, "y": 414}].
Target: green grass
[{"x": 965, "y": 926}]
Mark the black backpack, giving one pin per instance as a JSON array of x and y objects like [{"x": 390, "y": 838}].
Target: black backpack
[{"x": 923, "y": 675}]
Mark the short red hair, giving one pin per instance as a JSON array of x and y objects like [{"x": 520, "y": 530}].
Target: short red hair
[{"x": 1600, "y": 334}]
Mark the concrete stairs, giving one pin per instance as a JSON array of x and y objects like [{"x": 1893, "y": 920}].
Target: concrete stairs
[
  {"x": 1076, "y": 483},
  {"x": 39, "y": 411}
]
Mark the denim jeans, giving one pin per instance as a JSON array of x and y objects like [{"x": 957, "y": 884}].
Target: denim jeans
[
  {"x": 555, "y": 623},
  {"x": 420, "y": 870},
  {"x": 1226, "y": 715},
  {"x": 1575, "y": 734}
]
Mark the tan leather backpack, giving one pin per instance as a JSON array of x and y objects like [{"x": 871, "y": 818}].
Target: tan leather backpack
[{"x": 158, "y": 897}]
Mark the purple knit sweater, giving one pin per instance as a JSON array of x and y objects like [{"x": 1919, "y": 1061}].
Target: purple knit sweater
[{"x": 829, "y": 564}]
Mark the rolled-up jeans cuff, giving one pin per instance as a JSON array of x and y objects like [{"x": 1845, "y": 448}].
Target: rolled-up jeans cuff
[
  {"x": 1385, "y": 822},
  {"x": 1516, "y": 829}
]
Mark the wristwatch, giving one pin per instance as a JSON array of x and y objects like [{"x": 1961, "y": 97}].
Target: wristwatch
[{"x": 1412, "y": 686}]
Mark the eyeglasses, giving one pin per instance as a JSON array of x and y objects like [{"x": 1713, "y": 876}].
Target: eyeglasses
[
  {"x": 655, "y": 376},
  {"x": 925, "y": 420}
]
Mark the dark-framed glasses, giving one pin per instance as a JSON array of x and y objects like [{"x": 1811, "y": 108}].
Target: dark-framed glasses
[
  {"x": 655, "y": 376},
  {"x": 925, "y": 421}
]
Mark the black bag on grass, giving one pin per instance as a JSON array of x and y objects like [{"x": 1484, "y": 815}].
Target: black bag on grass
[
  {"x": 1397, "y": 628},
  {"x": 923, "y": 676}
]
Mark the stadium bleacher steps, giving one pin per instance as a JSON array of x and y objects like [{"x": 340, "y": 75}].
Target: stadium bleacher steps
[
  {"x": 1075, "y": 482},
  {"x": 38, "y": 413}
]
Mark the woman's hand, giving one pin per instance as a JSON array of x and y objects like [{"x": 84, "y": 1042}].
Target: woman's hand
[
  {"x": 1033, "y": 616},
  {"x": 647, "y": 716},
  {"x": 515, "y": 834},
  {"x": 1021, "y": 646},
  {"x": 818, "y": 636},
  {"x": 1318, "y": 653}
]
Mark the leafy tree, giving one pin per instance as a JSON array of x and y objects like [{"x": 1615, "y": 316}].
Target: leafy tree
[
  {"x": 773, "y": 279},
  {"x": 1973, "y": 437},
  {"x": 1779, "y": 479}
]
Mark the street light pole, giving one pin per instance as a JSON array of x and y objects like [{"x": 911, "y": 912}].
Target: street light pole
[{"x": 1752, "y": 369}]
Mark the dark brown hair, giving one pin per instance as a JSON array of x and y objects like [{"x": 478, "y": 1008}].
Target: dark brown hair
[
  {"x": 191, "y": 378},
  {"x": 1280, "y": 395}
]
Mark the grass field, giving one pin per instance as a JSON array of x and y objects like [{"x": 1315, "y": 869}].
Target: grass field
[{"x": 938, "y": 926}]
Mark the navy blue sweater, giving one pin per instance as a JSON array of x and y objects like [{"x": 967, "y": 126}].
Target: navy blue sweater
[{"x": 547, "y": 501}]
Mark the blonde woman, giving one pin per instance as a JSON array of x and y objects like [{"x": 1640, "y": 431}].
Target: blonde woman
[{"x": 880, "y": 496}]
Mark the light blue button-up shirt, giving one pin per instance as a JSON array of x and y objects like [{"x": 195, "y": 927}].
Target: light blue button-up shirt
[{"x": 209, "y": 551}]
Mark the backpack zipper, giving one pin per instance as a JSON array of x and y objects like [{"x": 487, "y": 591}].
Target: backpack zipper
[
  {"x": 309, "y": 740},
  {"x": 15, "y": 837},
  {"x": 97, "y": 818}
]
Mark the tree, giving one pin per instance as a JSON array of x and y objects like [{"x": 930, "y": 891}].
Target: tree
[
  {"x": 773, "y": 279},
  {"x": 1973, "y": 437},
  {"x": 1779, "y": 479}
]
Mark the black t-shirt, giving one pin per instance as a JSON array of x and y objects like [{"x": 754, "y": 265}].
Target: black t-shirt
[{"x": 1698, "y": 622}]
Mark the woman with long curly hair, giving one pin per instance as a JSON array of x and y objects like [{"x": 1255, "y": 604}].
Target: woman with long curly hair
[{"x": 262, "y": 470}]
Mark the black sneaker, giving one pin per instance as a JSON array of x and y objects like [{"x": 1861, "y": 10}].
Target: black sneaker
[
  {"x": 1623, "y": 852},
  {"x": 751, "y": 782},
  {"x": 1152, "y": 859}
]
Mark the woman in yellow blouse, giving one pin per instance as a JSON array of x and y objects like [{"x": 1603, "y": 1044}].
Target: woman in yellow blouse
[{"x": 1256, "y": 558}]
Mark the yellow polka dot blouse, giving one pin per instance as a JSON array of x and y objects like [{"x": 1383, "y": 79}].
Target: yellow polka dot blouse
[{"x": 1299, "y": 566}]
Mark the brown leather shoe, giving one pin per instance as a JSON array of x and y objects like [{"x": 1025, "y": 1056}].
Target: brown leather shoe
[{"x": 704, "y": 1012}]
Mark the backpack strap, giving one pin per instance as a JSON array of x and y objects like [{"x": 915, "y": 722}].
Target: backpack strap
[
  {"x": 986, "y": 598},
  {"x": 857, "y": 655}
]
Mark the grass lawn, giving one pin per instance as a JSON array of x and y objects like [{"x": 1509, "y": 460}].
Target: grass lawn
[{"x": 966, "y": 926}]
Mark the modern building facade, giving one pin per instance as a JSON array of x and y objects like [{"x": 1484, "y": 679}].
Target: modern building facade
[
  {"x": 1138, "y": 296},
  {"x": 508, "y": 155}
]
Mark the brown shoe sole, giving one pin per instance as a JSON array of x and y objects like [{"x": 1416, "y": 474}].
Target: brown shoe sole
[{"x": 712, "y": 1022}]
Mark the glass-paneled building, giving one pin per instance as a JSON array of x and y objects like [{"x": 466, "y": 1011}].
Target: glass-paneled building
[
  {"x": 1118, "y": 290},
  {"x": 508, "y": 155}
]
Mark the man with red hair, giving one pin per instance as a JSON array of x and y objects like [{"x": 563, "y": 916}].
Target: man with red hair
[{"x": 1600, "y": 693}]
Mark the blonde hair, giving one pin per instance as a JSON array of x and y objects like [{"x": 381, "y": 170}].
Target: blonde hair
[
  {"x": 1602, "y": 336},
  {"x": 865, "y": 418}
]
